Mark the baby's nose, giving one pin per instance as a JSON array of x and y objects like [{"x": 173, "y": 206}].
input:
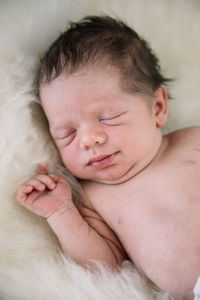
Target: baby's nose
[{"x": 92, "y": 138}]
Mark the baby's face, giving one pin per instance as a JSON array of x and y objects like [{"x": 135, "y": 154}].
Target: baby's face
[{"x": 103, "y": 133}]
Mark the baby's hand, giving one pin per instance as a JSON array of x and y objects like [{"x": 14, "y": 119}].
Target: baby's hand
[{"x": 45, "y": 194}]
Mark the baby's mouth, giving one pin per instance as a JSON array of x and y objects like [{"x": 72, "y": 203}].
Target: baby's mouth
[{"x": 101, "y": 161}]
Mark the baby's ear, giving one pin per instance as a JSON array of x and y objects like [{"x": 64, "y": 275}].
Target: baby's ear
[{"x": 160, "y": 105}]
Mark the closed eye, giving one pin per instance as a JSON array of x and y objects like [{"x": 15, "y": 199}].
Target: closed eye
[
  {"x": 68, "y": 133},
  {"x": 113, "y": 120}
]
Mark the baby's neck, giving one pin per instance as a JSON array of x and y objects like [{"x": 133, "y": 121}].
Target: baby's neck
[{"x": 160, "y": 145}]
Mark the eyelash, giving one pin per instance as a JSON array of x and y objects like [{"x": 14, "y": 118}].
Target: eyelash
[
  {"x": 67, "y": 135},
  {"x": 113, "y": 118},
  {"x": 71, "y": 134},
  {"x": 104, "y": 121}
]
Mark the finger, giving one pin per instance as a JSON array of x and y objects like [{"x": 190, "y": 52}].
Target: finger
[
  {"x": 23, "y": 193},
  {"x": 42, "y": 168},
  {"x": 46, "y": 180},
  {"x": 28, "y": 189},
  {"x": 57, "y": 178},
  {"x": 54, "y": 177},
  {"x": 36, "y": 184}
]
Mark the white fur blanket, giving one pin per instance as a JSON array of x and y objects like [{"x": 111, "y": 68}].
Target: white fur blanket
[{"x": 31, "y": 266}]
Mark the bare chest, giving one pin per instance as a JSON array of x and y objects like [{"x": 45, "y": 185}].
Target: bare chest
[{"x": 157, "y": 219}]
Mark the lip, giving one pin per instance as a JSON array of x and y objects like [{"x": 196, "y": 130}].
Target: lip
[{"x": 101, "y": 161}]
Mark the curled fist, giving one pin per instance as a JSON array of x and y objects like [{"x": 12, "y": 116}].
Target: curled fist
[{"x": 45, "y": 194}]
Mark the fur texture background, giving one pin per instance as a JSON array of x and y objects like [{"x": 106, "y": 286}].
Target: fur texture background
[{"x": 31, "y": 266}]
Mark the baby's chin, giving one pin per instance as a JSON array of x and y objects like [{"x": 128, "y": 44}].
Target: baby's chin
[
  {"x": 112, "y": 181},
  {"x": 116, "y": 181},
  {"x": 119, "y": 174},
  {"x": 112, "y": 177}
]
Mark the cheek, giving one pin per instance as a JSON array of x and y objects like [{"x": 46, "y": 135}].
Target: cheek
[
  {"x": 119, "y": 134},
  {"x": 72, "y": 165},
  {"x": 69, "y": 157},
  {"x": 135, "y": 137},
  {"x": 73, "y": 161}
]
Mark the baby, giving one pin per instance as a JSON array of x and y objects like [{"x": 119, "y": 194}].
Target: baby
[{"x": 105, "y": 99}]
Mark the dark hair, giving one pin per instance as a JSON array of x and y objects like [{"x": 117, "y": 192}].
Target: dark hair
[{"x": 99, "y": 40}]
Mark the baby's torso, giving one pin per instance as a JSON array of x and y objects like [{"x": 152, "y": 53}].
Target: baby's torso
[{"x": 156, "y": 215}]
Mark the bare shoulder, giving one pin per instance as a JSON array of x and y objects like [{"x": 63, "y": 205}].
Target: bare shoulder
[
  {"x": 96, "y": 221},
  {"x": 91, "y": 191},
  {"x": 86, "y": 206},
  {"x": 186, "y": 136}
]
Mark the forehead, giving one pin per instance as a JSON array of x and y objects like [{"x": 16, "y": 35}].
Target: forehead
[{"x": 89, "y": 88}]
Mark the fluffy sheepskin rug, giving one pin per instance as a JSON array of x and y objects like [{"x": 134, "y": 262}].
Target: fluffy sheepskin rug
[{"x": 31, "y": 263}]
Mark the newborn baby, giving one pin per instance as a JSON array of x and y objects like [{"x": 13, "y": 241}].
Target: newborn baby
[{"x": 105, "y": 99}]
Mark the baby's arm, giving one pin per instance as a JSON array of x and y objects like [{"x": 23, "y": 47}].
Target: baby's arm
[{"x": 81, "y": 232}]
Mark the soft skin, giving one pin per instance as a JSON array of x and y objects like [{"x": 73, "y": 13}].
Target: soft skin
[
  {"x": 140, "y": 189},
  {"x": 90, "y": 116}
]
